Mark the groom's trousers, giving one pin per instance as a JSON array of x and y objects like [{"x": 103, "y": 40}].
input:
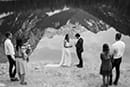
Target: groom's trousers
[{"x": 79, "y": 54}]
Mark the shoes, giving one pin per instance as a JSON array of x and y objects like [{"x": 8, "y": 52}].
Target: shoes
[
  {"x": 104, "y": 85},
  {"x": 23, "y": 83},
  {"x": 115, "y": 83},
  {"x": 110, "y": 83},
  {"x": 79, "y": 66},
  {"x": 14, "y": 79}
]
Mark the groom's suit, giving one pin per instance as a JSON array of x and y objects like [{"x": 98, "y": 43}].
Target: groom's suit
[{"x": 79, "y": 50}]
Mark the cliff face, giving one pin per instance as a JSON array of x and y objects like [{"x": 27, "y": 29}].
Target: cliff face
[{"x": 31, "y": 23}]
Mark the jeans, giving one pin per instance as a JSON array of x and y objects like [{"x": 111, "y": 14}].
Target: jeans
[
  {"x": 12, "y": 64},
  {"x": 116, "y": 63}
]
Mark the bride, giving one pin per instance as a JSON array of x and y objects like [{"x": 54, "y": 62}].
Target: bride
[{"x": 66, "y": 54}]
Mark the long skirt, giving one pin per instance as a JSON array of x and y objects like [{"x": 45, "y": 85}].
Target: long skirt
[{"x": 20, "y": 66}]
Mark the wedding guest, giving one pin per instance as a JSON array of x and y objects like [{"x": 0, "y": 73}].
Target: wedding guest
[
  {"x": 118, "y": 49},
  {"x": 10, "y": 52},
  {"x": 106, "y": 65},
  {"x": 21, "y": 58}
]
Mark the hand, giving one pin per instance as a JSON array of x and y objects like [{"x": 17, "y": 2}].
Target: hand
[
  {"x": 71, "y": 46},
  {"x": 27, "y": 59},
  {"x": 13, "y": 57}
]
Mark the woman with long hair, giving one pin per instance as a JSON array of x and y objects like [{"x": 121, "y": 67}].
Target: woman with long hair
[
  {"x": 21, "y": 60},
  {"x": 66, "y": 54},
  {"x": 106, "y": 65}
]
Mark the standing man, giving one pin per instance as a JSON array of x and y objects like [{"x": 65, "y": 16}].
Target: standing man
[
  {"x": 118, "y": 49},
  {"x": 10, "y": 52},
  {"x": 79, "y": 50}
]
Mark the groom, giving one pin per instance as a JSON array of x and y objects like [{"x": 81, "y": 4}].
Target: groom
[{"x": 79, "y": 49}]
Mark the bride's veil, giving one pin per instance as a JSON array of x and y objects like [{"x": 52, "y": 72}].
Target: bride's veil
[{"x": 62, "y": 57}]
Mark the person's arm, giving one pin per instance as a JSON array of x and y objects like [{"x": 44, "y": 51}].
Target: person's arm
[
  {"x": 69, "y": 46},
  {"x": 5, "y": 48},
  {"x": 112, "y": 58},
  {"x": 24, "y": 55},
  {"x": 29, "y": 53},
  {"x": 82, "y": 41},
  {"x": 114, "y": 49},
  {"x": 101, "y": 56},
  {"x": 30, "y": 50},
  {"x": 66, "y": 45},
  {"x": 79, "y": 43},
  {"x": 82, "y": 44}
]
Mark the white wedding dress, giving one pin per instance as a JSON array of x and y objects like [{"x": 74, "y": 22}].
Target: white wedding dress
[{"x": 65, "y": 58}]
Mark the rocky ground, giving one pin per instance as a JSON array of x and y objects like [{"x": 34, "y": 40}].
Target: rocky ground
[{"x": 40, "y": 76}]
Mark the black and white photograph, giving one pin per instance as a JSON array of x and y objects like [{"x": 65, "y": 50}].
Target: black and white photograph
[{"x": 64, "y": 43}]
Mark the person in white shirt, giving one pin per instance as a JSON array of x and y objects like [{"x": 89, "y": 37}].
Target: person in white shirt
[
  {"x": 118, "y": 49},
  {"x": 10, "y": 52}
]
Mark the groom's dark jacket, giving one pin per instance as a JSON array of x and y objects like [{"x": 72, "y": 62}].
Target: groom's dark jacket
[{"x": 79, "y": 45}]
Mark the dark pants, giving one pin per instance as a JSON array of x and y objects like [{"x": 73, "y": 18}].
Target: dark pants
[
  {"x": 12, "y": 64},
  {"x": 116, "y": 63},
  {"x": 79, "y": 54}
]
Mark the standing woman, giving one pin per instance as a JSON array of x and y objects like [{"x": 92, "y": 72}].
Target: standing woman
[
  {"x": 21, "y": 60},
  {"x": 106, "y": 65},
  {"x": 66, "y": 56}
]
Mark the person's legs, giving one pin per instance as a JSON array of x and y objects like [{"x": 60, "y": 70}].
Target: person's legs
[
  {"x": 69, "y": 58},
  {"x": 23, "y": 80},
  {"x": 19, "y": 76},
  {"x": 22, "y": 72},
  {"x": 110, "y": 82},
  {"x": 103, "y": 80},
  {"x": 80, "y": 59},
  {"x": 111, "y": 76},
  {"x": 117, "y": 71},
  {"x": 14, "y": 65},
  {"x": 10, "y": 66},
  {"x": 108, "y": 79}
]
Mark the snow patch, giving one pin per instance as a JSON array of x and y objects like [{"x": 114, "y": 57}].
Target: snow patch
[
  {"x": 51, "y": 13},
  {"x": 5, "y": 14}
]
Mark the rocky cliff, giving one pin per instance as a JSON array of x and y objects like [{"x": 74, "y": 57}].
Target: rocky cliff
[{"x": 31, "y": 24}]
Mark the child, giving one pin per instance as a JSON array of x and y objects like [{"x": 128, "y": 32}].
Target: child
[{"x": 106, "y": 65}]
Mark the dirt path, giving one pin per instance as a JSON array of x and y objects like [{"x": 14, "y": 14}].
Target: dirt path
[{"x": 39, "y": 76}]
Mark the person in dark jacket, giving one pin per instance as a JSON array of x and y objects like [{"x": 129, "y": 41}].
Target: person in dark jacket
[{"x": 79, "y": 50}]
